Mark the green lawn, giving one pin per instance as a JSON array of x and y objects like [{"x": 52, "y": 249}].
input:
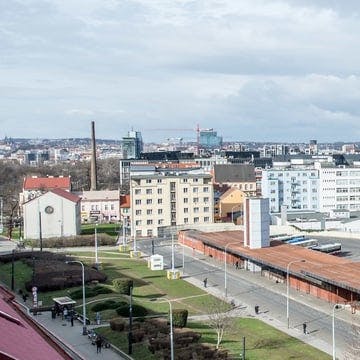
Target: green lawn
[
  {"x": 262, "y": 341},
  {"x": 110, "y": 229}
]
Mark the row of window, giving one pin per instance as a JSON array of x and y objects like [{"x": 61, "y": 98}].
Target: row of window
[
  {"x": 139, "y": 212},
  {"x": 186, "y": 220},
  {"x": 98, "y": 207},
  {"x": 160, "y": 201},
  {"x": 159, "y": 181},
  {"x": 160, "y": 190}
]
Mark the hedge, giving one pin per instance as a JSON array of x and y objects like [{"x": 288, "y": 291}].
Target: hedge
[
  {"x": 179, "y": 317},
  {"x": 117, "y": 324},
  {"x": 108, "y": 304},
  {"x": 123, "y": 285},
  {"x": 137, "y": 311}
]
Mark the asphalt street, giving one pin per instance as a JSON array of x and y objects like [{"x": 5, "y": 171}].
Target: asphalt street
[{"x": 251, "y": 289}]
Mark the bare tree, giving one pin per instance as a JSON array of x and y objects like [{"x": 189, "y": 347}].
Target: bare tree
[{"x": 221, "y": 318}]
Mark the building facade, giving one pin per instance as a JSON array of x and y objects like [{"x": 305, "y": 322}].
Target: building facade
[
  {"x": 169, "y": 199},
  {"x": 298, "y": 189},
  {"x": 132, "y": 145}
]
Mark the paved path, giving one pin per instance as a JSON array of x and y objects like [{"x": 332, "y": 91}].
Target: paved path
[{"x": 73, "y": 338}]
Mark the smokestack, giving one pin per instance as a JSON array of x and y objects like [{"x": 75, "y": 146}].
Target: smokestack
[{"x": 93, "y": 180}]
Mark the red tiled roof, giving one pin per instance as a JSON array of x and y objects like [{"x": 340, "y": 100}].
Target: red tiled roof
[
  {"x": 66, "y": 194},
  {"x": 47, "y": 183},
  {"x": 21, "y": 339}
]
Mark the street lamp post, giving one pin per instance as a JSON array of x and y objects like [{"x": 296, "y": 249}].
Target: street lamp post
[
  {"x": 288, "y": 288},
  {"x": 96, "y": 247},
  {"x": 336, "y": 306},
  {"x": 171, "y": 326},
  {"x": 225, "y": 266},
  {"x": 83, "y": 291}
]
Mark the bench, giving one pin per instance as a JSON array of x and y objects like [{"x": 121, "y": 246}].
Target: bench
[{"x": 81, "y": 319}]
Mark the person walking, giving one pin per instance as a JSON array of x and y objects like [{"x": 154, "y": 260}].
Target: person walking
[
  {"x": 98, "y": 343},
  {"x": 72, "y": 318},
  {"x": 205, "y": 282},
  {"x": 237, "y": 265},
  {"x": 304, "y": 328},
  {"x": 256, "y": 309}
]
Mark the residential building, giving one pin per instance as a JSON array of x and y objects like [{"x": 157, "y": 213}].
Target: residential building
[
  {"x": 100, "y": 205},
  {"x": 231, "y": 204},
  {"x": 169, "y": 199},
  {"x": 241, "y": 176},
  {"x": 339, "y": 187},
  {"x": 295, "y": 188}
]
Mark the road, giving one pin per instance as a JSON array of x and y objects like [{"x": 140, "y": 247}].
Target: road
[{"x": 251, "y": 289}]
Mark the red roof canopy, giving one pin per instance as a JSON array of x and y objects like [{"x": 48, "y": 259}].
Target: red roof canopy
[{"x": 47, "y": 183}]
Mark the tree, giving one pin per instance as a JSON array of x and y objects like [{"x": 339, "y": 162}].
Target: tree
[{"x": 220, "y": 318}]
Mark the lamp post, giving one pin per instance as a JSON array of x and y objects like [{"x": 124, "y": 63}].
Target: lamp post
[
  {"x": 96, "y": 247},
  {"x": 130, "y": 322},
  {"x": 288, "y": 288},
  {"x": 336, "y": 306},
  {"x": 225, "y": 267},
  {"x": 171, "y": 326},
  {"x": 83, "y": 291}
]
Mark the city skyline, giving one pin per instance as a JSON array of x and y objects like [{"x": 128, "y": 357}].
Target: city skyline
[{"x": 281, "y": 71}]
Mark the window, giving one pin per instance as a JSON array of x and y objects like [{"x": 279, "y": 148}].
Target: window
[
  {"x": 82, "y": 207},
  {"x": 195, "y": 200},
  {"x": 138, "y": 222},
  {"x": 149, "y": 232},
  {"x": 196, "y": 180},
  {"x": 149, "y": 212},
  {"x": 137, "y": 191},
  {"x": 206, "y": 209},
  {"x": 148, "y": 191},
  {"x": 186, "y": 200},
  {"x": 112, "y": 206},
  {"x": 160, "y": 221},
  {"x": 138, "y": 233},
  {"x": 185, "y": 190},
  {"x": 196, "y": 209},
  {"x": 148, "y": 201},
  {"x": 186, "y": 210},
  {"x": 186, "y": 220},
  {"x": 159, "y": 191},
  {"x": 206, "y": 189},
  {"x": 160, "y": 211},
  {"x": 196, "y": 220},
  {"x": 206, "y": 199},
  {"x": 149, "y": 222},
  {"x": 195, "y": 190},
  {"x": 206, "y": 219},
  {"x": 106, "y": 207},
  {"x": 138, "y": 212},
  {"x": 137, "y": 202},
  {"x": 159, "y": 201},
  {"x": 148, "y": 181},
  {"x": 159, "y": 181}
]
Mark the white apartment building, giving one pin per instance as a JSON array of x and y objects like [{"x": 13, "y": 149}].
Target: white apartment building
[
  {"x": 168, "y": 199},
  {"x": 296, "y": 188},
  {"x": 339, "y": 188}
]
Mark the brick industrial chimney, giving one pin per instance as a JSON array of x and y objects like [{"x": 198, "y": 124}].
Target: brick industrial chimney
[{"x": 93, "y": 170}]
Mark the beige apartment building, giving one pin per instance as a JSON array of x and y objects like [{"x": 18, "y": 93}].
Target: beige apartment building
[{"x": 159, "y": 200}]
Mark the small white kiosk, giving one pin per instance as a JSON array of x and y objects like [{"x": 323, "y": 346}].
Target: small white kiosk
[{"x": 156, "y": 262}]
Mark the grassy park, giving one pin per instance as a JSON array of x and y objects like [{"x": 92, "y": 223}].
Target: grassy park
[{"x": 262, "y": 341}]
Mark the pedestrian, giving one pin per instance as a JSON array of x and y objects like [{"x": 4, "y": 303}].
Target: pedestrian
[
  {"x": 98, "y": 343},
  {"x": 72, "y": 318},
  {"x": 24, "y": 296},
  {"x": 256, "y": 309},
  {"x": 205, "y": 282},
  {"x": 304, "y": 328},
  {"x": 237, "y": 265},
  {"x": 65, "y": 313}
]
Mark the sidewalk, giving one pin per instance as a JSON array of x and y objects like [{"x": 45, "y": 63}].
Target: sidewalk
[
  {"x": 72, "y": 337},
  {"x": 279, "y": 288}
]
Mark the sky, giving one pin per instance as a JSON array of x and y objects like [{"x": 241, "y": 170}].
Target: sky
[{"x": 254, "y": 70}]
